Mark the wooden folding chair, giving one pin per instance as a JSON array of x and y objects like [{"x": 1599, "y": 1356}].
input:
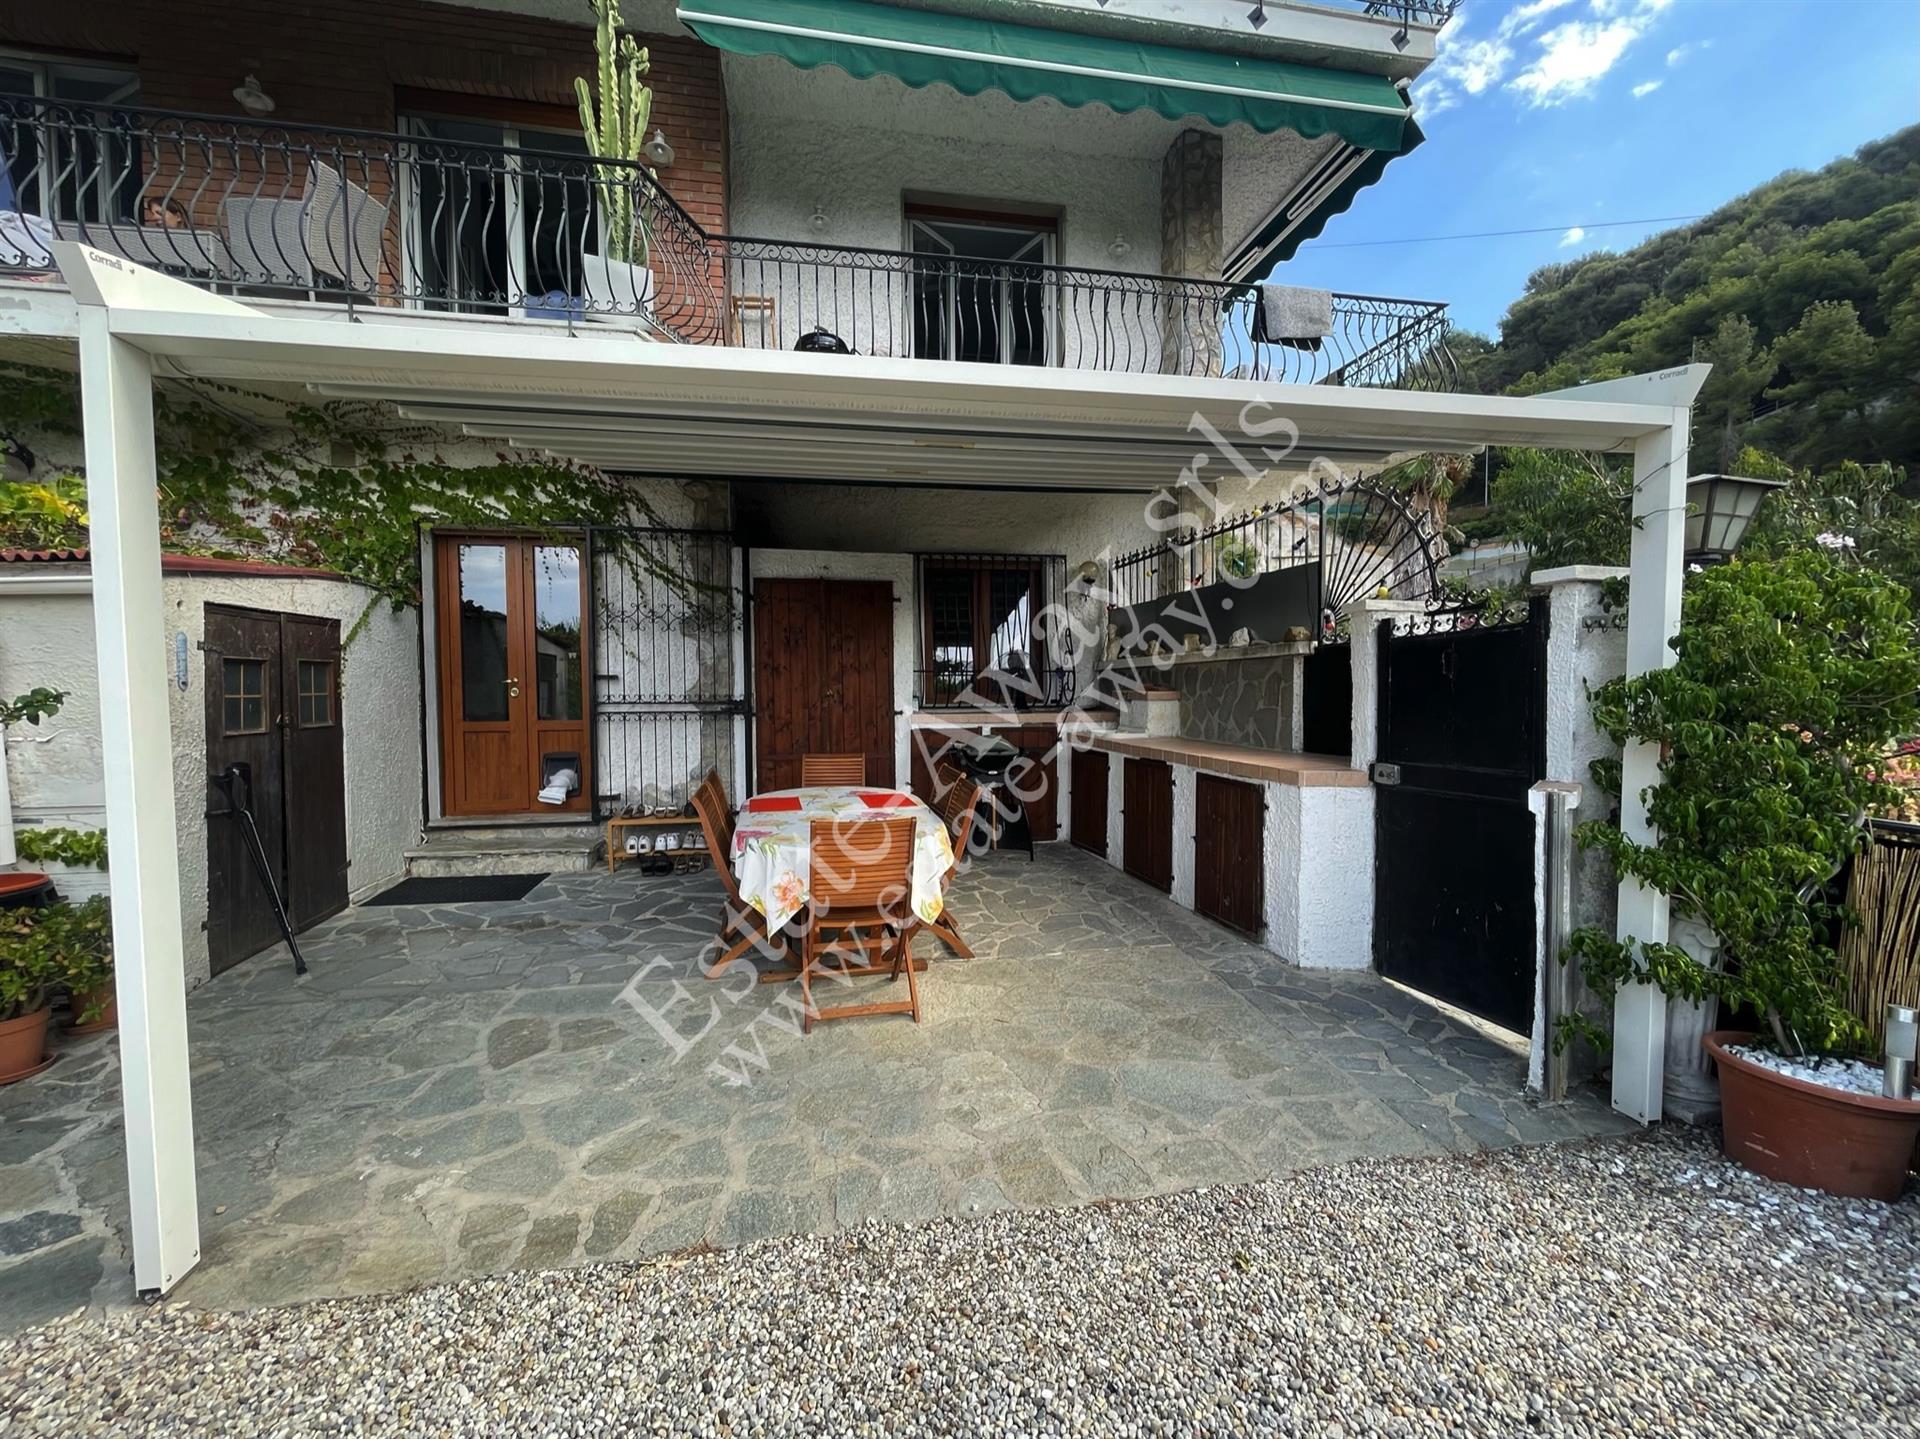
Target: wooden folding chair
[
  {"x": 737, "y": 916},
  {"x": 959, "y": 803},
  {"x": 833, "y": 769},
  {"x": 713, "y": 785},
  {"x": 860, "y": 894}
]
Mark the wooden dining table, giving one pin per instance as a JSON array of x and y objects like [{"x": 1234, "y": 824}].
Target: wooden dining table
[{"x": 772, "y": 844}]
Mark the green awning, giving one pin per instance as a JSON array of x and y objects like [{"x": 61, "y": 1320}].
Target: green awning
[{"x": 924, "y": 47}]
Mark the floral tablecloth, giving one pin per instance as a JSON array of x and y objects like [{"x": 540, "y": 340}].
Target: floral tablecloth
[{"x": 773, "y": 862}]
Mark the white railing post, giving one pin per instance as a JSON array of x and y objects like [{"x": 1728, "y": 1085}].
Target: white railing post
[
  {"x": 116, "y": 389},
  {"x": 1653, "y": 618}
]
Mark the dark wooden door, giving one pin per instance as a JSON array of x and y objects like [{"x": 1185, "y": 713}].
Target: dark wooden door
[
  {"x": 1090, "y": 800},
  {"x": 1147, "y": 822},
  {"x": 513, "y": 691},
  {"x": 823, "y": 676},
  {"x": 272, "y": 705},
  {"x": 1229, "y": 868},
  {"x": 1462, "y": 738},
  {"x": 1036, "y": 777}
]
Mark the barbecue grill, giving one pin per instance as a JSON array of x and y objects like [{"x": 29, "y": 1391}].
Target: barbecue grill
[{"x": 987, "y": 758}]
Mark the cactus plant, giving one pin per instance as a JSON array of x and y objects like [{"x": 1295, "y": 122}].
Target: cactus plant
[{"x": 616, "y": 129}]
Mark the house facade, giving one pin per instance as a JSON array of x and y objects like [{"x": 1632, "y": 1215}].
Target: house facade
[{"x": 943, "y": 355}]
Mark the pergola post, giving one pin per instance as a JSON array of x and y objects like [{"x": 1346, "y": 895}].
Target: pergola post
[
  {"x": 1653, "y": 618},
  {"x": 116, "y": 388}
]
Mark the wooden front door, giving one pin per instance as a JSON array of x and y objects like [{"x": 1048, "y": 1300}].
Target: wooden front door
[
  {"x": 273, "y": 705},
  {"x": 822, "y": 676},
  {"x": 513, "y": 694}
]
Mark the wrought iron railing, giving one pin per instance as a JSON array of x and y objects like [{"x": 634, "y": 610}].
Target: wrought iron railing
[
  {"x": 354, "y": 216},
  {"x": 941, "y": 307},
  {"x": 438, "y": 223}
]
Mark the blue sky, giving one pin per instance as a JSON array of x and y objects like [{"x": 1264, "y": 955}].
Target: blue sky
[{"x": 1569, "y": 113}]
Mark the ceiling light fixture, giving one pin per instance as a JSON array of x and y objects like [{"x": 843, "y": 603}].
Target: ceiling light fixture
[{"x": 253, "y": 99}]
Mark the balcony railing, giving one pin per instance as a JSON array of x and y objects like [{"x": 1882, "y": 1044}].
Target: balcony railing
[{"x": 365, "y": 218}]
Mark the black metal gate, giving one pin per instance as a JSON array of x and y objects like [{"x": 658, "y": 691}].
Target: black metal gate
[
  {"x": 1462, "y": 737},
  {"x": 670, "y": 667}
]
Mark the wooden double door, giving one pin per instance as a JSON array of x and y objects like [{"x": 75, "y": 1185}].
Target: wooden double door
[
  {"x": 511, "y": 642},
  {"x": 822, "y": 676},
  {"x": 273, "y": 709}
]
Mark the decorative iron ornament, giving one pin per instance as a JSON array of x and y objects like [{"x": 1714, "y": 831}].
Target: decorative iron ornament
[
  {"x": 1365, "y": 537},
  {"x": 1457, "y": 618}
]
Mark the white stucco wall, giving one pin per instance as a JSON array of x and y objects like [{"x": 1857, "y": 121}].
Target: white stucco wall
[
  {"x": 1184, "y": 820},
  {"x": 1319, "y": 873},
  {"x": 1116, "y": 811},
  {"x": 54, "y": 769},
  {"x": 896, "y": 570}
]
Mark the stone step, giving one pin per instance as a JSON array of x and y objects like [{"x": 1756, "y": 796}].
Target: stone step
[{"x": 548, "y": 849}]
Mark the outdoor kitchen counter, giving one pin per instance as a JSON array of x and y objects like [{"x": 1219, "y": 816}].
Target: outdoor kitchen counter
[{"x": 1273, "y": 766}]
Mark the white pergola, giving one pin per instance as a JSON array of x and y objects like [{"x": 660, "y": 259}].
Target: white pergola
[{"x": 605, "y": 396}]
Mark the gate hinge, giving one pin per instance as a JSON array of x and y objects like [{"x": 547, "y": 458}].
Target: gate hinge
[{"x": 1384, "y": 773}]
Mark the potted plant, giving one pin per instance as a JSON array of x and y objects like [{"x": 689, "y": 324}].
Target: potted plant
[
  {"x": 75, "y": 859},
  {"x": 27, "y": 977},
  {"x": 78, "y": 939},
  {"x": 1793, "y": 678},
  {"x": 616, "y": 280}
]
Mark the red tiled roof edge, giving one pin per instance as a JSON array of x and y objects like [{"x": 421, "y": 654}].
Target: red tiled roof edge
[{"x": 181, "y": 565}]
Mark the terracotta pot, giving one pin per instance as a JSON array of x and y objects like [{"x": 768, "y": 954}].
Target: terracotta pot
[
  {"x": 109, "y": 1017},
  {"x": 1856, "y": 1145},
  {"x": 23, "y": 1045}
]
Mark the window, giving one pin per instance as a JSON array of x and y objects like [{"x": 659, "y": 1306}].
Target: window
[
  {"x": 493, "y": 229},
  {"x": 993, "y": 627},
  {"x": 988, "y": 297},
  {"x": 316, "y": 693},
  {"x": 243, "y": 690},
  {"x": 68, "y": 170}
]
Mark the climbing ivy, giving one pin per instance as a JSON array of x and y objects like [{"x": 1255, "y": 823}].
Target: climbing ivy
[
  {"x": 337, "y": 485},
  {"x": 81, "y": 848}
]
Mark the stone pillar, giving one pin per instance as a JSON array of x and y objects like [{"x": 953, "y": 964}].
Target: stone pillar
[{"x": 1190, "y": 246}]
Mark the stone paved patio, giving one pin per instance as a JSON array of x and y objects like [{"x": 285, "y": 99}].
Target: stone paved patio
[{"x": 459, "y": 1090}]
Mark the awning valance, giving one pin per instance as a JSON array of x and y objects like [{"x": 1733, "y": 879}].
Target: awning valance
[{"x": 924, "y": 47}]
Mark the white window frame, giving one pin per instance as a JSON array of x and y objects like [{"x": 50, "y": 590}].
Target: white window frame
[
  {"x": 418, "y": 125},
  {"x": 45, "y": 69},
  {"x": 1040, "y": 228}
]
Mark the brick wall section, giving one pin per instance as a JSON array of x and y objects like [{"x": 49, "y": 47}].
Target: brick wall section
[{"x": 338, "y": 63}]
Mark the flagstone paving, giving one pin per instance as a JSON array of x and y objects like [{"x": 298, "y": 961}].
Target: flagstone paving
[{"x": 462, "y": 1089}]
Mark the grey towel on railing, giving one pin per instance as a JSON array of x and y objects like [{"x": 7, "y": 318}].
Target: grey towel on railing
[{"x": 1289, "y": 315}]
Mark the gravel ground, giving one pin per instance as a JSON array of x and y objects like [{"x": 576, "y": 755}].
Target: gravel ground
[{"x": 1637, "y": 1287}]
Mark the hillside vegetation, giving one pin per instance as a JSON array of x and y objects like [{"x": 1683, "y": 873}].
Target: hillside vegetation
[{"x": 1803, "y": 294}]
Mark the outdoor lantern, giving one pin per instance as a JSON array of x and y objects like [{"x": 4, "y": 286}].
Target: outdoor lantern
[
  {"x": 1903, "y": 1041},
  {"x": 1719, "y": 509},
  {"x": 658, "y": 150}
]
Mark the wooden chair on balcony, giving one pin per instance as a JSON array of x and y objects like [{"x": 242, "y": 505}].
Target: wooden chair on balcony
[
  {"x": 742, "y": 927},
  {"x": 860, "y": 898},
  {"x": 833, "y": 769}
]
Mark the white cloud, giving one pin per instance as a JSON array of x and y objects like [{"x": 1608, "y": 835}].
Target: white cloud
[
  {"x": 1680, "y": 52},
  {"x": 1546, "y": 63},
  {"x": 1645, "y": 88},
  {"x": 1573, "y": 58},
  {"x": 1572, "y": 237}
]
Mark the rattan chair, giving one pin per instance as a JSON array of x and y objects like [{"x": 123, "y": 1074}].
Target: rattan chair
[
  {"x": 859, "y": 895},
  {"x": 737, "y": 916},
  {"x": 833, "y": 769}
]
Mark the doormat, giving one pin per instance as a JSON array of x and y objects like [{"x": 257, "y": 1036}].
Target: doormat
[{"x": 459, "y": 889}]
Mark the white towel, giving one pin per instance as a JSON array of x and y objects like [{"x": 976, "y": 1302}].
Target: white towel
[
  {"x": 1288, "y": 312},
  {"x": 552, "y": 794}
]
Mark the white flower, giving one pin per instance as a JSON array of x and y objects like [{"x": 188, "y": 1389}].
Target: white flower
[{"x": 1828, "y": 540}]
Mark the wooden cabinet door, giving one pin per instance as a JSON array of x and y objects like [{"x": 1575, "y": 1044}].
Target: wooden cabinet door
[
  {"x": 1090, "y": 800},
  {"x": 822, "y": 675},
  {"x": 1147, "y": 831},
  {"x": 1229, "y": 868}
]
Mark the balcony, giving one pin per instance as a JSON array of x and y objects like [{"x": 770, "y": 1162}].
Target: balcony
[{"x": 365, "y": 219}]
